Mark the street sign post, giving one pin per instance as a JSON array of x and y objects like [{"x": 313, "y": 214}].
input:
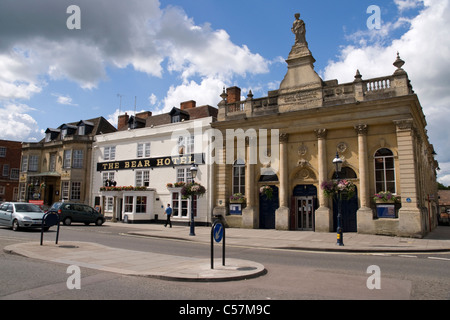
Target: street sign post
[{"x": 217, "y": 235}]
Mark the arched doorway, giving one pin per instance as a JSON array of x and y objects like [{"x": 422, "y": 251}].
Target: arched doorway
[
  {"x": 267, "y": 208},
  {"x": 349, "y": 207}
]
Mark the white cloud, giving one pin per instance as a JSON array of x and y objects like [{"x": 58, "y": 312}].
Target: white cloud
[
  {"x": 17, "y": 124},
  {"x": 65, "y": 100},
  {"x": 425, "y": 47}
]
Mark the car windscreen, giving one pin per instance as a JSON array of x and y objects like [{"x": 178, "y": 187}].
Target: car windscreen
[{"x": 25, "y": 207}]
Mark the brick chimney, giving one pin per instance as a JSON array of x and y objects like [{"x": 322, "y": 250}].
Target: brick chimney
[
  {"x": 187, "y": 105},
  {"x": 144, "y": 115},
  {"x": 234, "y": 94},
  {"x": 122, "y": 121}
]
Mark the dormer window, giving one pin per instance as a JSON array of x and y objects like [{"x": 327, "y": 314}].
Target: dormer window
[
  {"x": 84, "y": 127},
  {"x": 68, "y": 130},
  {"x": 136, "y": 123},
  {"x": 177, "y": 115},
  {"x": 51, "y": 134}
]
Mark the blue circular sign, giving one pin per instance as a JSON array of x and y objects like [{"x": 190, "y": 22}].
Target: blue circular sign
[{"x": 218, "y": 232}]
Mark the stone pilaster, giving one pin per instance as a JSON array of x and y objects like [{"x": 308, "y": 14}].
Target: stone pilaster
[
  {"x": 282, "y": 213},
  {"x": 323, "y": 215}
]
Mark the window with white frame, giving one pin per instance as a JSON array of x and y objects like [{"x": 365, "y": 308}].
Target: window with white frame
[
  {"x": 2, "y": 152},
  {"x": 184, "y": 175},
  {"x": 75, "y": 191},
  {"x": 107, "y": 176},
  {"x": 65, "y": 190},
  {"x": 239, "y": 176},
  {"x": 141, "y": 204},
  {"x": 181, "y": 208},
  {"x": 384, "y": 171},
  {"x": 109, "y": 153},
  {"x": 187, "y": 143},
  {"x": 143, "y": 150},
  {"x": 67, "y": 161},
  {"x": 142, "y": 178},
  {"x": 128, "y": 204},
  {"x": 24, "y": 163},
  {"x": 6, "y": 170},
  {"x": 109, "y": 204},
  {"x": 33, "y": 163},
  {"x": 14, "y": 174},
  {"x": 78, "y": 157}
]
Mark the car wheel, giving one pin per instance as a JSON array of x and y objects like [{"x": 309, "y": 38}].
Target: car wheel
[
  {"x": 15, "y": 225},
  {"x": 67, "y": 221},
  {"x": 99, "y": 222}
]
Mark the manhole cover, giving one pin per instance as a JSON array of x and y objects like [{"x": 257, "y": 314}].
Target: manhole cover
[{"x": 68, "y": 246}]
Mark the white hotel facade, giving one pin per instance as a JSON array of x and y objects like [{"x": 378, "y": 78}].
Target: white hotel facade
[{"x": 138, "y": 170}]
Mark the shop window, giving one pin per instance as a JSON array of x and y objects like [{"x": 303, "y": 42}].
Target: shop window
[
  {"x": 384, "y": 171},
  {"x": 141, "y": 204},
  {"x": 128, "y": 205}
]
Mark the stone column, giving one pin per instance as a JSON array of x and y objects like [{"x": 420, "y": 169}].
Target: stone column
[
  {"x": 282, "y": 213},
  {"x": 249, "y": 218},
  {"x": 323, "y": 215},
  {"x": 364, "y": 214},
  {"x": 410, "y": 220}
]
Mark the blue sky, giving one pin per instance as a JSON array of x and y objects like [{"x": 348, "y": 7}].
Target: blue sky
[{"x": 164, "y": 52}]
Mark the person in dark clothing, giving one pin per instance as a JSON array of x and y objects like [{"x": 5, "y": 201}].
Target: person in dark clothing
[{"x": 168, "y": 212}]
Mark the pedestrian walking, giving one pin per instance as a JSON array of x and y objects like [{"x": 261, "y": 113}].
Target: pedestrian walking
[{"x": 168, "y": 212}]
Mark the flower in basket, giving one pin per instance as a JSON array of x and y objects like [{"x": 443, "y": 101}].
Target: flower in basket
[
  {"x": 266, "y": 190},
  {"x": 179, "y": 184},
  {"x": 385, "y": 196},
  {"x": 237, "y": 198},
  {"x": 343, "y": 187},
  {"x": 192, "y": 189},
  {"x": 169, "y": 185}
]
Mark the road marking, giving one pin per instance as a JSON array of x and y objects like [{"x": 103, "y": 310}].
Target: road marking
[
  {"x": 439, "y": 258},
  {"x": 407, "y": 256}
]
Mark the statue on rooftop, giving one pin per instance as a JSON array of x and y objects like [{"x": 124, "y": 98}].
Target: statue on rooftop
[{"x": 298, "y": 28}]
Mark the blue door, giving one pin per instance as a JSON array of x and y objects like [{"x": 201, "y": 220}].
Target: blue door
[
  {"x": 267, "y": 208},
  {"x": 349, "y": 208}
]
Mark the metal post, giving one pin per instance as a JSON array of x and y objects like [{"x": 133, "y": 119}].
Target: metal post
[
  {"x": 192, "y": 228},
  {"x": 340, "y": 234}
]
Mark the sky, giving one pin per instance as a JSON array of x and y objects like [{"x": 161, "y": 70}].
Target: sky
[{"x": 59, "y": 64}]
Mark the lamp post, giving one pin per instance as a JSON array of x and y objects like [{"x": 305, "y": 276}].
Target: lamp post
[
  {"x": 193, "y": 171},
  {"x": 340, "y": 235}
]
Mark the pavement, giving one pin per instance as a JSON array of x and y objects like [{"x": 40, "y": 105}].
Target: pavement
[{"x": 180, "y": 268}]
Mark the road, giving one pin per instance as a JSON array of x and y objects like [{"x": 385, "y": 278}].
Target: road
[{"x": 292, "y": 275}]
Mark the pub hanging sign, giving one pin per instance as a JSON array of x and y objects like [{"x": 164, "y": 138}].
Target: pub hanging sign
[{"x": 149, "y": 163}]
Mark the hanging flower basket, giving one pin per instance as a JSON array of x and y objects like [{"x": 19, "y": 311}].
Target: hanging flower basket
[
  {"x": 267, "y": 191},
  {"x": 344, "y": 188},
  {"x": 192, "y": 189}
]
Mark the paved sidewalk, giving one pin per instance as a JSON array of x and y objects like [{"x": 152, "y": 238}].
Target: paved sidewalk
[
  {"x": 168, "y": 267},
  {"x": 437, "y": 241}
]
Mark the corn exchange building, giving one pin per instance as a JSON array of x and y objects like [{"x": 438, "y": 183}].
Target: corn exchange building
[{"x": 376, "y": 127}]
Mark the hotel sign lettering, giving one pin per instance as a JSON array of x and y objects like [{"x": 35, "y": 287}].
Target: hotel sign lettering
[{"x": 147, "y": 163}]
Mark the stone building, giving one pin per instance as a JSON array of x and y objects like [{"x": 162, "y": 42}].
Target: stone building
[
  {"x": 376, "y": 126},
  {"x": 58, "y": 167}
]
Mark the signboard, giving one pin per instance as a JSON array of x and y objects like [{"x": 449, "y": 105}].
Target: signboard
[
  {"x": 147, "y": 163},
  {"x": 218, "y": 232},
  {"x": 236, "y": 208},
  {"x": 386, "y": 210}
]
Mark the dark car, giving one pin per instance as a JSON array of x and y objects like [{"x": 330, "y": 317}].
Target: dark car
[{"x": 76, "y": 212}]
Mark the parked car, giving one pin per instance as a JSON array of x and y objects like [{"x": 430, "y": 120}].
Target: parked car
[
  {"x": 76, "y": 212},
  {"x": 21, "y": 215}
]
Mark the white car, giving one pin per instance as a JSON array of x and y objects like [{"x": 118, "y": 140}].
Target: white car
[{"x": 18, "y": 215}]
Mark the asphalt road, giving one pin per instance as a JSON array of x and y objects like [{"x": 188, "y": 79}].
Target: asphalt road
[{"x": 292, "y": 275}]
